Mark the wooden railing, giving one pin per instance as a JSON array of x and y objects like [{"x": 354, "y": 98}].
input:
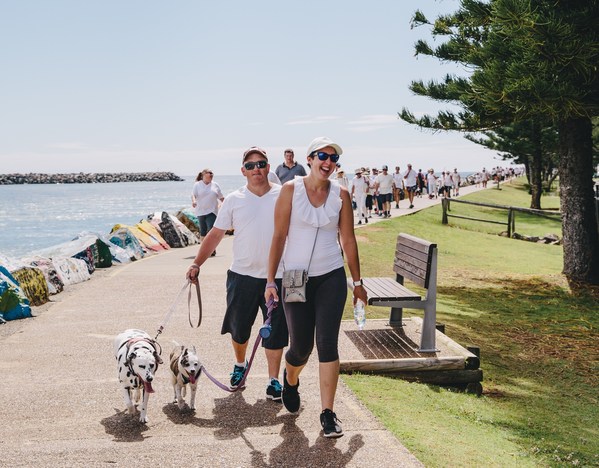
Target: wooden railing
[{"x": 511, "y": 213}]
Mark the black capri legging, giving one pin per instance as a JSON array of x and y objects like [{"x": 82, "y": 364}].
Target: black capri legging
[{"x": 321, "y": 313}]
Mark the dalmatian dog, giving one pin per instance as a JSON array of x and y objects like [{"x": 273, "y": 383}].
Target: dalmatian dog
[
  {"x": 186, "y": 368},
  {"x": 138, "y": 357}
]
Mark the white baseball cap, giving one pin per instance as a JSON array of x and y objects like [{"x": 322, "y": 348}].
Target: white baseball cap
[{"x": 323, "y": 142}]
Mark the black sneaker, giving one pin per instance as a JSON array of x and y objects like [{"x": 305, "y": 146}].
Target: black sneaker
[
  {"x": 290, "y": 395},
  {"x": 237, "y": 375},
  {"x": 366, "y": 220},
  {"x": 330, "y": 424},
  {"x": 273, "y": 391}
]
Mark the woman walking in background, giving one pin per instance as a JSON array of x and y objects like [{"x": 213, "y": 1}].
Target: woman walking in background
[
  {"x": 204, "y": 198},
  {"x": 309, "y": 214}
]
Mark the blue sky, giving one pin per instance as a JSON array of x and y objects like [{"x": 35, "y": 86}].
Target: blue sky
[{"x": 129, "y": 86}]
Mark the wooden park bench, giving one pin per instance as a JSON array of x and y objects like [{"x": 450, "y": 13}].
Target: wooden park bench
[{"x": 416, "y": 260}]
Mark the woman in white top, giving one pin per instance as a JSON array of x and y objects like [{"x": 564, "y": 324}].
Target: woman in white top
[
  {"x": 309, "y": 213},
  {"x": 204, "y": 198}
]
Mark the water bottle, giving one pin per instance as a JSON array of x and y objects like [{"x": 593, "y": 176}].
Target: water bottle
[
  {"x": 265, "y": 331},
  {"x": 360, "y": 314}
]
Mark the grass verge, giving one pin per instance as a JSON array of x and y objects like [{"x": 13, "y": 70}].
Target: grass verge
[{"x": 538, "y": 346}]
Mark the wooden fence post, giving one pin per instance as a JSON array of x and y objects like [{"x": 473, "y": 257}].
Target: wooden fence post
[
  {"x": 510, "y": 214},
  {"x": 444, "y": 205}
]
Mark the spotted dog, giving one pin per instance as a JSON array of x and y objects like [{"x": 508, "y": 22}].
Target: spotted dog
[
  {"x": 186, "y": 368},
  {"x": 138, "y": 358}
]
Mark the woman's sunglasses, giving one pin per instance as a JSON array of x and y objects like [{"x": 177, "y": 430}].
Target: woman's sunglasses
[
  {"x": 251, "y": 165},
  {"x": 324, "y": 156}
]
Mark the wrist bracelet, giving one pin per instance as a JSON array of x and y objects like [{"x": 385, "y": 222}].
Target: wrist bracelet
[
  {"x": 193, "y": 265},
  {"x": 271, "y": 285}
]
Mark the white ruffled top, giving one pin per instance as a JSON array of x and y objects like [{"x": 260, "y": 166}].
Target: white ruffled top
[{"x": 305, "y": 219}]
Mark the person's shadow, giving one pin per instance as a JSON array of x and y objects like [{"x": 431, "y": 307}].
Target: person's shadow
[{"x": 232, "y": 415}]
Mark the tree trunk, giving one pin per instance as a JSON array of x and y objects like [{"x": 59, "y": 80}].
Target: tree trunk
[
  {"x": 579, "y": 222},
  {"x": 536, "y": 166}
]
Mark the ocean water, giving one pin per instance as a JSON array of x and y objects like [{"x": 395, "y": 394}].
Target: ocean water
[
  {"x": 33, "y": 217},
  {"x": 38, "y": 216}
]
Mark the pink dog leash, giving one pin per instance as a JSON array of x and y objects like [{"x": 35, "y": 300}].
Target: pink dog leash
[{"x": 264, "y": 333}]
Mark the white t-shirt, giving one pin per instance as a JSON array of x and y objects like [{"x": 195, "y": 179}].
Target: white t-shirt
[
  {"x": 360, "y": 186},
  {"x": 456, "y": 179},
  {"x": 303, "y": 224},
  {"x": 410, "y": 176},
  {"x": 385, "y": 183},
  {"x": 253, "y": 219},
  {"x": 207, "y": 197},
  {"x": 431, "y": 180},
  {"x": 397, "y": 179}
]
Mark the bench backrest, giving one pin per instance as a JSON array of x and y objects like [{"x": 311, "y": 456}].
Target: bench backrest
[{"x": 413, "y": 257}]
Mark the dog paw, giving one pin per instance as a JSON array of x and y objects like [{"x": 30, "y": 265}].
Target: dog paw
[
  {"x": 143, "y": 419},
  {"x": 181, "y": 405}
]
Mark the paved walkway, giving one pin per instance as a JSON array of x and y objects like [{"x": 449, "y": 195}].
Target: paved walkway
[{"x": 60, "y": 399}]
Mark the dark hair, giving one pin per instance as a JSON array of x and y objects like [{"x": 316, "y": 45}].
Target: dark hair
[{"x": 199, "y": 177}]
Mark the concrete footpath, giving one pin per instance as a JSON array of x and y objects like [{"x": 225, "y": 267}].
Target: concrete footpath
[{"x": 61, "y": 403}]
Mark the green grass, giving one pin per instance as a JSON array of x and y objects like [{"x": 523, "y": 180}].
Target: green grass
[{"x": 538, "y": 346}]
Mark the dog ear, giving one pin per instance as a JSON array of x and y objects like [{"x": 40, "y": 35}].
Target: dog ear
[
  {"x": 130, "y": 357},
  {"x": 157, "y": 357}
]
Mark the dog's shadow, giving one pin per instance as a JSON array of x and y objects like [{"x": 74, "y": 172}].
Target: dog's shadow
[{"x": 124, "y": 427}]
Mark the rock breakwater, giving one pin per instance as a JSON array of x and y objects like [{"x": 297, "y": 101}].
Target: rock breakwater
[{"x": 87, "y": 178}]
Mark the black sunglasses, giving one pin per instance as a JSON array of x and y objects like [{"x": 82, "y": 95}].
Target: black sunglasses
[
  {"x": 251, "y": 165},
  {"x": 324, "y": 156}
]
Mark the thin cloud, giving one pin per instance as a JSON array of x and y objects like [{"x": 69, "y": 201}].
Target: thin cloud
[
  {"x": 369, "y": 123},
  {"x": 314, "y": 120}
]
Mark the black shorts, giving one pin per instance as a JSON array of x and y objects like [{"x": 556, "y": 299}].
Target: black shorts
[
  {"x": 386, "y": 197},
  {"x": 411, "y": 188},
  {"x": 369, "y": 202},
  {"x": 245, "y": 294}
]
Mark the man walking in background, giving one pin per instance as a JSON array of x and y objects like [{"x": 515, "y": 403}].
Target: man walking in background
[
  {"x": 456, "y": 179},
  {"x": 397, "y": 186},
  {"x": 410, "y": 183},
  {"x": 384, "y": 186},
  {"x": 359, "y": 187},
  {"x": 290, "y": 168}
]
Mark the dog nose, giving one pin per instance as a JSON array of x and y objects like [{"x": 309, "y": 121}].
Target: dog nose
[{"x": 149, "y": 378}]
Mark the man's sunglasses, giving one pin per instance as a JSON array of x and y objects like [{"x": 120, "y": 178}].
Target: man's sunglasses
[
  {"x": 324, "y": 156},
  {"x": 251, "y": 165}
]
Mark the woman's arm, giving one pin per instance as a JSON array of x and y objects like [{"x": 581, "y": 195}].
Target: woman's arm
[
  {"x": 349, "y": 244},
  {"x": 282, "y": 216}
]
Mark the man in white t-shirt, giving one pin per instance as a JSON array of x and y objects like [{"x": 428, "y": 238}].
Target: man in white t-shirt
[
  {"x": 359, "y": 188},
  {"x": 411, "y": 183},
  {"x": 397, "y": 185},
  {"x": 456, "y": 179},
  {"x": 250, "y": 212},
  {"x": 384, "y": 185}
]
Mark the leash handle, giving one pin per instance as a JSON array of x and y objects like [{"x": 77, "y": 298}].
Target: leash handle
[
  {"x": 199, "y": 296},
  {"x": 271, "y": 305}
]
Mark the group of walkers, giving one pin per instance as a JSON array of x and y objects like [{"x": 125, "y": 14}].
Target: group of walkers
[
  {"x": 375, "y": 191},
  {"x": 303, "y": 224}
]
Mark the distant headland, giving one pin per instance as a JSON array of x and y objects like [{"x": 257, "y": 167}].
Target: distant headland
[{"x": 88, "y": 178}]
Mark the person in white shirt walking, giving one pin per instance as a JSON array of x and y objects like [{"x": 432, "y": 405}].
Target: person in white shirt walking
[
  {"x": 397, "y": 186},
  {"x": 410, "y": 183},
  {"x": 205, "y": 196},
  {"x": 250, "y": 212},
  {"x": 456, "y": 179},
  {"x": 384, "y": 186},
  {"x": 359, "y": 188}
]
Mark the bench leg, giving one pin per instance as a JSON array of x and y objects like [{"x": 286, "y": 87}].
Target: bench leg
[
  {"x": 427, "y": 340},
  {"x": 395, "y": 320}
]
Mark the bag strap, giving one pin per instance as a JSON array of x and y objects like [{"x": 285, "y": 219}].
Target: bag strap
[{"x": 318, "y": 229}]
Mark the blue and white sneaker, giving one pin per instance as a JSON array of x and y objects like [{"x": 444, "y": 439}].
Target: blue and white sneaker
[
  {"x": 273, "y": 391},
  {"x": 237, "y": 375}
]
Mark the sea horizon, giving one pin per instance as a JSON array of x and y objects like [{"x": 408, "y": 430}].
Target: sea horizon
[{"x": 37, "y": 216}]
